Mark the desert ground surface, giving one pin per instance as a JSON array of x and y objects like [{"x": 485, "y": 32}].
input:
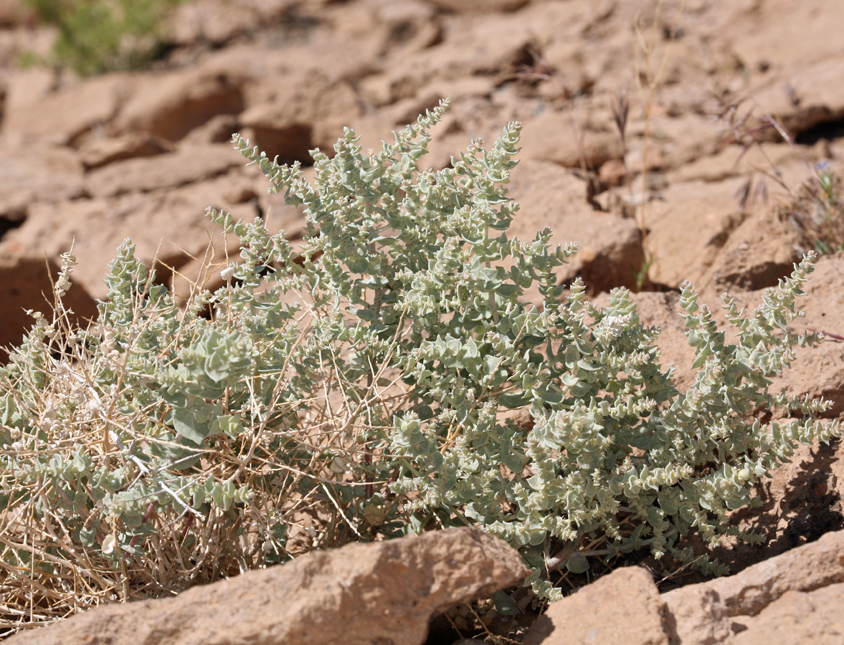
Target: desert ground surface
[{"x": 696, "y": 140}]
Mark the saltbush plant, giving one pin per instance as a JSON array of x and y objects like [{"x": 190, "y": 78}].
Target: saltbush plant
[{"x": 386, "y": 377}]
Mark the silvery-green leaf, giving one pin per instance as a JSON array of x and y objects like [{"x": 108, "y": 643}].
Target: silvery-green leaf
[
  {"x": 577, "y": 564},
  {"x": 188, "y": 427},
  {"x": 513, "y": 400},
  {"x": 504, "y": 604}
]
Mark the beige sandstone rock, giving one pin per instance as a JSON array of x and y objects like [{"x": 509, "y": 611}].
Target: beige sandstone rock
[
  {"x": 471, "y": 46},
  {"x": 309, "y": 115},
  {"x": 36, "y": 172},
  {"x": 701, "y": 614},
  {"x": 219, "y": 22},
  {"x": 409, "y": 26},
  {"x": 362, "y": 594},
  {"x": 25, "y": 283},
  {"x": 553, "y": 136},
  {"x": 36, "y": 110},
  {"x": 189, "y": 164},
  {"x": 219, "y": 129},
  {"x": 813, "y": 618},
  {"x": 622, "y": 607},
  {"x": 684, "y": 138},
  {"x": 734, "y": 161},
  {"x": 168, "y": 225},
  {"x": 757, "y": 254},
  {"x": 609, "y": 247},
  {"x": 795, "y": 598},
  {"x": 785, "y": 36},
  {"x": 696, "y": 217},
  {"x": 171, "y": 105},
  {"x": 13, "y": 13},
  {"x": 102, "y": 152},
  {"x": 808, "y": 96},
  {"x": 479, "y": 6}
]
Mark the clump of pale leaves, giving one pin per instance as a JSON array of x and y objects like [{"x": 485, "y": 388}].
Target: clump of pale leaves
[{"x": 368, "y": 384}]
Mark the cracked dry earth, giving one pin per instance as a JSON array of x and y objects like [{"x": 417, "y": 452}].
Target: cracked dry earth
[{"x": 732, "y": 106}]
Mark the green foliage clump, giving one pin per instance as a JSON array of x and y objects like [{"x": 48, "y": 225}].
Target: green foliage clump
[
  {"x": 819, "y": 210},
  {"x": 386, "y": 377},
  {"x": 96, "y": 36}
]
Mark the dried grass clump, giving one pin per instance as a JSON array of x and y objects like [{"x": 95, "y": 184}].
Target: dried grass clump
[{"x": 102, "y": 498}]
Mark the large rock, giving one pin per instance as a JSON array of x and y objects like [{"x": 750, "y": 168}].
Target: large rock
[
  {"x": 36, "y": 173},
  {"x": 295, "y": 120},
  {"x": 102, "y": 152},
  {"x": 622, "y": 607},
  {"x": 14, "y": 13},
  {"x": 479, "y": 6},
  {"x": 189, "y": 164},
  {"x": 471, "y": 46},
  {"x": 219, "y": 21},
  {"x": 395, "y": 29},
  {"x": 683, "y": 138},
  {"x": 558, "y": 137},
  {"x": 171, "y": 105},
  {"x": 26, "y": 283},
  {"x": 360, "y": 594},
  {"x": 812, "y": 618},
  {"x": 794, "y": 598},
  {"x": 705, "y": 613},
  {"x": 785, "y": 36},
  {"x": 737, "y": 161},
  {"x": 761, "y": 251},
  {"x": 609, "y": 247},
  {"x": 407, "y": 110},
  {"x": 815, "y": 95},
  {"x": 37, "y": 111},
  {"x": 167, "y": 226},
  {"x": 689, "y": 227},
  {"x": 408, "y": 27}
]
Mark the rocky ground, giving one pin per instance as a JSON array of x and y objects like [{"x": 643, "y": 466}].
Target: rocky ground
[{"x": 672, "y": 141}]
